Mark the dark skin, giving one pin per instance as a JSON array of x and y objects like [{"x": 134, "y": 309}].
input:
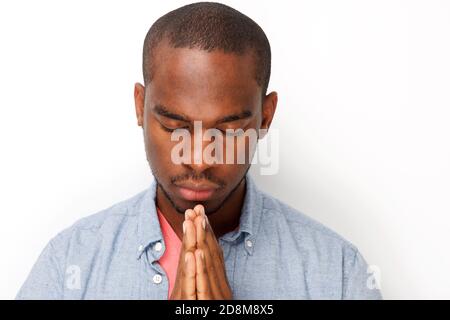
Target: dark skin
[{"x": 220, "y": 90}]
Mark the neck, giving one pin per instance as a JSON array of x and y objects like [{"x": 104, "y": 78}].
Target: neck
[{"x": 222, "y": 221}]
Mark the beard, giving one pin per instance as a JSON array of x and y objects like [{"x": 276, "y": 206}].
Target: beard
[{"x": 208, "y": 209}]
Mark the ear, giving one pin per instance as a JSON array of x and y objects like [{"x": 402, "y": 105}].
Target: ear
[
  {"x": 268, "y": 111},
  {"x": 139, "y": 99}
]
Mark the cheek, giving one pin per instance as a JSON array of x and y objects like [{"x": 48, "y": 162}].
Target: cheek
[
  {"x": 158, "y": 145},
  {"x": 240, "y": 149}
]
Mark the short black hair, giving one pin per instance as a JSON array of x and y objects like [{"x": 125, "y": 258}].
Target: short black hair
[{"x": 210, "y": 26}]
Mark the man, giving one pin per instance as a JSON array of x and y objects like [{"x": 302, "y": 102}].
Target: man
[{"x": 202, "y": 230}]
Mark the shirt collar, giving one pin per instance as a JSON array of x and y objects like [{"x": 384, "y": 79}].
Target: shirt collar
[
  {"x": 250, "y": 217},
  {"x": 149, "y": 229}
]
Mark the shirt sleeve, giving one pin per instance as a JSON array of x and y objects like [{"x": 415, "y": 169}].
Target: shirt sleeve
[
  {"x": 45, "y": 281},
  {"x": 360, "y": 281}
]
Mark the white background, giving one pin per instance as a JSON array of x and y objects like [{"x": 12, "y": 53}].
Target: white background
[{"x": 363, "y": 114}]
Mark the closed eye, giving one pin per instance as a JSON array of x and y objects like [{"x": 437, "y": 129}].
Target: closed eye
[
  {"x": 167, "y": 129},
  {"x": 232, "y": 132}
]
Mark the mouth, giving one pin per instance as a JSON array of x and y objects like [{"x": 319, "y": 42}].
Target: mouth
[{"x": 191, "y": 191}]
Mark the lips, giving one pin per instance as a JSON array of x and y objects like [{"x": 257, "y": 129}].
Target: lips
[{"x": 191, "y": 191}]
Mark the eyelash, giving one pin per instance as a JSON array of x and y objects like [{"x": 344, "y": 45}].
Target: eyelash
[
  {"x": 172, "y": 130},
  {"x": 234, "y": 134}
]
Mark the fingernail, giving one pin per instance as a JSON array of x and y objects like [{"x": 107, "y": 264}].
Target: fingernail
[
  {"x": 184, "y": 227},
  {"x": 185, "y": 259},
  {"x": 202, "y": 255},
  {"x": 204, "y": 223}
]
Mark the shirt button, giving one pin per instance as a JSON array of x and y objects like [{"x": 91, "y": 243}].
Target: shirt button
[
  {"x": 158, "y": 246},
  {"x": 141, "y": 247},
  {"x": 157, "y": 278},
  {"x": 249, "y": 243}
]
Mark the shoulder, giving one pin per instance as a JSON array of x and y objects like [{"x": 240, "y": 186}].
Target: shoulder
[
  {"x": 103, "y": 224},
  {"x": 329, "y": 258},
  {"x": 76, "y": 247},
  {"x": 307, "y": 232}
]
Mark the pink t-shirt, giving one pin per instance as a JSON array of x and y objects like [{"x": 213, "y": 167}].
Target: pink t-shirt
[{"x": 169, "y": 260}]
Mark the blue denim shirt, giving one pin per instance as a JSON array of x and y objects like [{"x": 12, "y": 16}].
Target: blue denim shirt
[{"x": 277, "y": 253}]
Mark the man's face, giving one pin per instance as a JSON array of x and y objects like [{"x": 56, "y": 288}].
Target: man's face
[{"x": 215, "y": 88}]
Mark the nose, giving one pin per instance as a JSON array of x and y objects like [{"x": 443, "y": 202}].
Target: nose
[{"x": 205, "y": 153}]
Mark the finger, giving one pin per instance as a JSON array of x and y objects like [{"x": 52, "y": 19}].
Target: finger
[
  {"x": 187, "y": 245},
  {"x": 188, "y": 278},
  {"x": 201, "y": 222},
  {"x": 200, "y": 230},
  {"x": 213, "y": 243},
  {"x": 215, "y": 261},
  {"x": 190, "y": 214},
  {"x": 189, "y": 237},
  {"x": 199, "y": 209},
  {"x": 209, "y": 264},
  {"x": 215, "y": 264},
  {"x": 201, "y": 278},
  {"x": 176, "y": 292},
  {"x": 201, "y": 212}
]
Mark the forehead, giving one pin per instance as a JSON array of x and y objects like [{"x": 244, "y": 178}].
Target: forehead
[{"x": 203, "y": 84}]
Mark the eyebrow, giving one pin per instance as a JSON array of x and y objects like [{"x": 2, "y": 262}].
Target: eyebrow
[{"x": 163, "y": 111}]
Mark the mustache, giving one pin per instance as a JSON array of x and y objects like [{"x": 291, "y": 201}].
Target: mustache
[{"x": 198, "y": 177}]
